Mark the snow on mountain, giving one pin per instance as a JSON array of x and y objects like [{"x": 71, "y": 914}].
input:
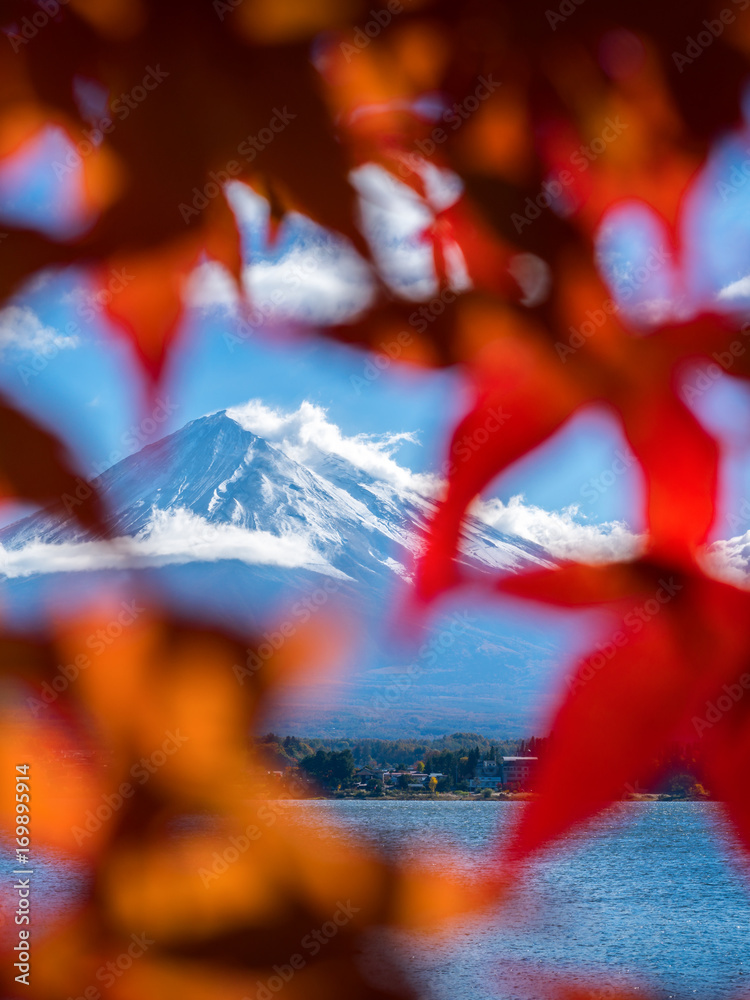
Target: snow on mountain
[
  {"x": 729, "y": 559},
  {"x": 215, "y": 480},
  {"x": 233, "y": 526}
]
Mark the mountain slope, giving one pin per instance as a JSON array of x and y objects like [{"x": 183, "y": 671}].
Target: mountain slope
[
  {"x": 226, "y": 475},
  {"x": 234, "y": 526}
]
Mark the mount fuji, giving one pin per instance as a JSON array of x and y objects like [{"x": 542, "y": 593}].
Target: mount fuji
[{"x": 232, "y": 528}]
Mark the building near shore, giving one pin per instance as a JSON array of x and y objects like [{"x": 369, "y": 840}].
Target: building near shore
[{"x": 505, "y": 774}]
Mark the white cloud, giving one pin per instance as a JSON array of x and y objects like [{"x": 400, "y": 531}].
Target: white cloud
[
  {"x": 651, "y": 312},
  {"x": 211, "y": 285},
  {"x": 319, "y": 277},
  {"x": 736, "y": 290},
  {"x": 249, "y": 207},
  {"x": 534, "y": 277},
  {"x": 307, "y": 436},
  {"x": 396, "y": 219},
  {"x": 312, "y": 276},
  {"x": 172, "y": 537},
  {"x": 443, "y": 187},
  {"x": 21, "y": 330},
  {"x": 559, "y": 532},
  {"x": 319, "y": 280},
  {"x": 729, "y": 560}
]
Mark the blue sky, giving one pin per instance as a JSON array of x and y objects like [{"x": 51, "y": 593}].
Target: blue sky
[
  {"x": 84, "y": 381},
  {"x": 85, "y": 391}
]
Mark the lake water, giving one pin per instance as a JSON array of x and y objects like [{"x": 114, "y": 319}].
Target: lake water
[{"x": 652, "y": 895}]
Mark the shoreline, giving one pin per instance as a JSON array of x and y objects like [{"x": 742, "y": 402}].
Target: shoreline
[{"x": 468, "y": 797}]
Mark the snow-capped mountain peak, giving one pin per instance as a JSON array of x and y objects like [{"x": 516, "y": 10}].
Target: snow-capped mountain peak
[
  {"x": 224, "y": 475},
  {"x": 235, "y": 527}
]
